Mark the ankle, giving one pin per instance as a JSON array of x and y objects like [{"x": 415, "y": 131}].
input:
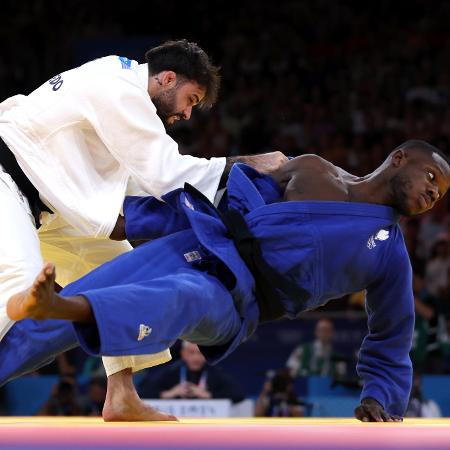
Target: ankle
[{"x": 121, "y": 381}]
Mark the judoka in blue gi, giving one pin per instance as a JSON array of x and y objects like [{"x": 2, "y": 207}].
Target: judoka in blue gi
[{"x": 276, "y": 247}]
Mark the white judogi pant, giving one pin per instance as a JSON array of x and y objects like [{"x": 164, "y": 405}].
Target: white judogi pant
[{"x": 74, "y": 255}]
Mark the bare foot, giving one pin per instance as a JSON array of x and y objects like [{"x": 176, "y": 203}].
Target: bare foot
[
  {"x": 128, "y": 407},
  {"x": 36, "y": 302},
  {"x": 123, "y": 404}
]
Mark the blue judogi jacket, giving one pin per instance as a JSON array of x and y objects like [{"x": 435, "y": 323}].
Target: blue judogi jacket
[{"x": 328, "y": 249}]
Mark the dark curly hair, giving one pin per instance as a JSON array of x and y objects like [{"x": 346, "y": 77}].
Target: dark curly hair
[{"x": 188, "y": 60}]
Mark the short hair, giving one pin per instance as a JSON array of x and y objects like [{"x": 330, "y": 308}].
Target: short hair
[
  {"x": 423, "y": 146},
  {"x": 188, "y": 60}
]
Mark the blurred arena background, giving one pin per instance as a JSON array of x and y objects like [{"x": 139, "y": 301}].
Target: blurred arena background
[{"x": 347, "y": 80}]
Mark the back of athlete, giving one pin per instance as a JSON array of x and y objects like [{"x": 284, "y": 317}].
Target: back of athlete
[{"x": 310, "y": 177}]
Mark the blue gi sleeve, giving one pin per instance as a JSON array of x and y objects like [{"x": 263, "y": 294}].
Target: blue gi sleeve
[
  {"x": 384, "y": 362},
  {"x": 150, "y": 218}
]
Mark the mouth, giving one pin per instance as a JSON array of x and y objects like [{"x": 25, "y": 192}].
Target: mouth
[
  {"x": 174, "y": 118},
  {"x": 425, "y": 201}
]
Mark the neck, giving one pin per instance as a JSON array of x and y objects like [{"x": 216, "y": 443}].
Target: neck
[{"x": 372, "y": 188}]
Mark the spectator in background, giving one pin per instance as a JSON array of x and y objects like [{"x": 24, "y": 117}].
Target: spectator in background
[
  {"x": 431, "y": 342},
  {"x": 93, "y": 367},
  {"x": 437, "y": 267},
  {"x": 63, "y": 400},
  {"x": 446, "y": 298},
  {"x": 419, "y": 406},
  {"x": 317, "y": 357},
  {"x": 92, "y": 403},
  {"x": 278, "y": 397},
  {"x": 190, "y": 377}
]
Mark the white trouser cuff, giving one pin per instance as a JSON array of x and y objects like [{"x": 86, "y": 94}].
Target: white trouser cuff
[{"x": 114, "y": 364}]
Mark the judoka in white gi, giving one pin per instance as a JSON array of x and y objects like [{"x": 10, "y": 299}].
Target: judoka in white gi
[{"x": 74, "y": 145}]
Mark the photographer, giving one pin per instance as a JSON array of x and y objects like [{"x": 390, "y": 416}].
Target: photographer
[{"x": 278, "y": 397}]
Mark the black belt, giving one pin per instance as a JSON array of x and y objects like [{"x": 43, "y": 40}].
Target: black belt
[
  {"x": 10, "y": 165},
  {"x": 266, "y": 278}
]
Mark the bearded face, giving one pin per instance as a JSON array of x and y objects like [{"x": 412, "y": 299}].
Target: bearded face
[
  {"x": 419, "y": 183},
  {"x": 175, "y": 101},
  {"x": 165, "y": 102}
]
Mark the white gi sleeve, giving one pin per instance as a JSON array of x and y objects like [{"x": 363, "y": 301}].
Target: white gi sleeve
[{"x": 121, "y": 112}]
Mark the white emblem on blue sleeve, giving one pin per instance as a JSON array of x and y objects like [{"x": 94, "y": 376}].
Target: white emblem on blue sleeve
[
  {"x": 192, "y": 256},
  {"x": 381, "y": 235},
  {"x": 144, "y": 331}
]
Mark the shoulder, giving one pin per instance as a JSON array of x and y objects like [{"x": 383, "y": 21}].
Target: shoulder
[
  {"x": 111, "y": 62},
  {"x": 311, "y": 165},
  {"x": 310, "y": 160},
  {"x": 114, "y": 70},
  {"x": 308, "y": 164}
]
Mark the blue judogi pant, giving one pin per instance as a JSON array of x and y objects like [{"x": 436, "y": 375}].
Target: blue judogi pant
[
  {"x": 32, "y": 344},
  {"x": 172, "y": 286},
  {"x": 160, "y": 285}
]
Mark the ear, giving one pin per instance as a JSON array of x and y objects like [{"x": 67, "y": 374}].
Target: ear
[
  {"x": 398, "y": 158},
  {"x": 168, "y": 78}
]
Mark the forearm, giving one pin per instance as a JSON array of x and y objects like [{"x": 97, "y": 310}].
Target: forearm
[{"x": 384, "y": 362}]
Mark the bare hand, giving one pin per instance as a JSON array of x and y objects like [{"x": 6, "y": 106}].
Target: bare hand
[
  {"x": 180, "y": 390},
  {"x": 196, "y": 391},
  {"x": 371, "y": 411},
  {"x": 267, "y": 162}
]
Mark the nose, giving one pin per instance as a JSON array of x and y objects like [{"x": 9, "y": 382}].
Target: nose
[
  {"x": 187, "y": 113},
  {"x": 433, "y": 192}
]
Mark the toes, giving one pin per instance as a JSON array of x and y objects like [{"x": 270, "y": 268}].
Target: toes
[
  {"x": 163, "y": 416},
  {"x": 49, "y": 270},
  {"x": 41, "y": 278}
]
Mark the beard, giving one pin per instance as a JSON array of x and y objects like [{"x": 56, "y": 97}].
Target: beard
[
  {"x": 400, "y": 186},
  {"x": 165, "y": 104}
]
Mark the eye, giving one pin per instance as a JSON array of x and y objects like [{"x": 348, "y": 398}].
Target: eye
[
  {"x": 194, "y": 100},
  {"x": 431, "y": 175}
]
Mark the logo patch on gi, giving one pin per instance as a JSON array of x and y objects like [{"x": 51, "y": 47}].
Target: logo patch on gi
[
  {"x": 192, "y": 256},
  {"x": 144, "y": 331},
  {"x": 381, "y": 235},
  {"x": 126, "y": 63}
]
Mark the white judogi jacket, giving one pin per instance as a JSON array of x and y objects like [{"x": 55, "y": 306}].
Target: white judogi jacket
[{"x": 81, "y": 135}]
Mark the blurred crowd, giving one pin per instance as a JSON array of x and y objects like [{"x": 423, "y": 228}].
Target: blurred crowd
[{"x": 347, "y": 80}]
